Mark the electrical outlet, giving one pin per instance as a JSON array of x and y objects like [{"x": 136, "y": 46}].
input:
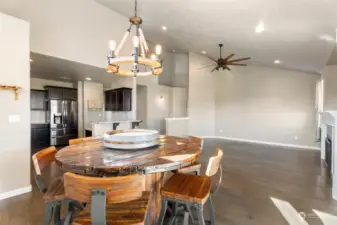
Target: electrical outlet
[{"x": 14, "y": 118}]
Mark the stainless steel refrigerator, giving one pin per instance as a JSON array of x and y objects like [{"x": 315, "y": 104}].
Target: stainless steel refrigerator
[{"x": 63, "y": 121}]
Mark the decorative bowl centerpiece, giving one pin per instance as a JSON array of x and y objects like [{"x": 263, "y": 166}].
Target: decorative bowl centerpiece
[{"x": 131, "y": 139}]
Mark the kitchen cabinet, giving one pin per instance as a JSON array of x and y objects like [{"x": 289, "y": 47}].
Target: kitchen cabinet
[
  {"x": 118, "y": 99},
  {"x": 88, "y": 133},
  {"x": 40, "y": 137},
  {"x": 61, "y": 93},
  {"x": 38, "y": 100}
]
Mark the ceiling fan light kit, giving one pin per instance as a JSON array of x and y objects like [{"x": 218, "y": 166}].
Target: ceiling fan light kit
[
  {"x": 224, "y": 63},
  {"x": 139, "y": 56}
]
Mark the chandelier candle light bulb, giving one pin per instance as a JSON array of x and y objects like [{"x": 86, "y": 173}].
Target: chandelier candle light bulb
[
  {"x": 135, "y": 41},
  {"x": 112, "y": 45},
  {"x": 158, "y": 49},
  {"x": 153, "y": 57}
]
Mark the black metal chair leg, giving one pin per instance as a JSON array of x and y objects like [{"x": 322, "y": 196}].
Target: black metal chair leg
[
  {"x": 162, "y": 211},
  {"x": 186, "y": 217},
  {"x": 57, "y": 214},
  {"x": 200, "y": 212},
  {"x": 188, "y": 207},
  {"x": 211, "y": 210},
  {"x": 48, "y": 213},
  {"x": 174, "y": 214},
  {"x": 197, "y": 172},
  {"x": 148, "y": 217}
]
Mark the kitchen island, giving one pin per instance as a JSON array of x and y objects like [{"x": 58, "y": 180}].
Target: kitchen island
[{"x": 99, "y": 128}]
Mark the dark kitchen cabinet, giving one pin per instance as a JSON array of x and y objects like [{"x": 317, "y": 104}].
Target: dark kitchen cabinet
[
  {"x": 118, "y": 99},
  {"x": 60, "y": 93},
  {"x": 40, "y": 137},
  {"x": 38, "y": 100},
  {"x": 88, "y": 133}
]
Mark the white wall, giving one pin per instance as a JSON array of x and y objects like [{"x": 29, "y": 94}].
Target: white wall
[
  {"x": 201, "y": 97},
  {"x": 265, "y": 104},
  {"x": 142, "y": 105},
  {"x": 179, "y": 102},
  {"x": 93, "y": 92},
  {"x": 330, "y": 90},
  {"x": 14, "y": 137},
  {"x": 175, "y": 72},
  {"x": 252, "y": 103},
  {"x": 76, "y": 30},
  {"x": 39, "y": 84}
]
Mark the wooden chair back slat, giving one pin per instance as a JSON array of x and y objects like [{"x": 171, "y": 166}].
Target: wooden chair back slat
[
  {"x": 43, "y": 158},
  {"x": 81, "y": 140},
  {"x": 119, "y": 189},
  {"x": 214, "y": 163}
]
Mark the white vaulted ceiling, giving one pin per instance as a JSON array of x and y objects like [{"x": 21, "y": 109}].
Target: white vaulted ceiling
[{"x": 300, "y": 33}]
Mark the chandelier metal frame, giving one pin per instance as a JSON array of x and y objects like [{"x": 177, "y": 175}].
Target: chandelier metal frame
[{"x": 140, "y": 53}]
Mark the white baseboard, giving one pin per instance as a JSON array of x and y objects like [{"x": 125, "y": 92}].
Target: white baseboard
[
  {"x": 15, "y": 192},
  {"x": 265, "y": 143}
]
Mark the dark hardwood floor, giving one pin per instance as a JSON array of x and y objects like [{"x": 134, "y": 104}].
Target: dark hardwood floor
[{"x": 253, "y": 176}]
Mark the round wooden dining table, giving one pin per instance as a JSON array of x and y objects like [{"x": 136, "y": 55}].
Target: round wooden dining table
[{"x": 91, "y": 158}]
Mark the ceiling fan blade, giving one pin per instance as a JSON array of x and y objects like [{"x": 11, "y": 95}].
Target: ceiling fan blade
[
  {"x": 239, "y": 60},
  {"x": 228, "y": 68},
  {"x": 215, "y": 68},
  {"x": 212, "y": 59},
  {"x": 228, "y": 57},
  {"x": 236, "y": 64},
  {"x": 205, "y": 67}
]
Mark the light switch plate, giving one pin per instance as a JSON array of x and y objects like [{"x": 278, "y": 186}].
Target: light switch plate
[{"x": 14, "y": 118}]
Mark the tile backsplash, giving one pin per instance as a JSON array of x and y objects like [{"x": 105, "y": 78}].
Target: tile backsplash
[
  {"x": 38, "y": 116},
  {"x": 115, "y": 115}
]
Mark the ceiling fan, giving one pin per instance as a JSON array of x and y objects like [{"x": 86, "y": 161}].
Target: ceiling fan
[{"x": 224, "y": 63}]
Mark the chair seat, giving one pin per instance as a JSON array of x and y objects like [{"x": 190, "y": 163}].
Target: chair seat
[
  {"x": 188, "y": 188},
  {"x": 55, "y": 191},
  {"x": 188, "y": 169},
  {"x": 127, "y": 213}
]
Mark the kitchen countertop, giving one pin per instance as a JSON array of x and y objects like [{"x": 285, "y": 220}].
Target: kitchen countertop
[
  {"x": 117, "y": 121},
  {"x": 36, "y": 122},
  {"x": 89, "y": 126},
  {"x": 177, "y": 118}
]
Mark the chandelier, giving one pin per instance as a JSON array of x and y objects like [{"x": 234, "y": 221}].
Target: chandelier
[{"x": 139, "y": 56}]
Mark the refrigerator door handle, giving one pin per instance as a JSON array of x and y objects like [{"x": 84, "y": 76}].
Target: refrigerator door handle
[{"x": 64, "y": 115}]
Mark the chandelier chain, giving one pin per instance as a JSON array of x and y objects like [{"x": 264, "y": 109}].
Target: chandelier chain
[{"x": 136, "y": 6}]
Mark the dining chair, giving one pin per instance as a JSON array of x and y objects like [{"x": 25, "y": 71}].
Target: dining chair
[
  {"x": 111, "y": 200},
  {"x": 53, "y": 195},
  {"x": 195, "y": 167},
  {"x": 193, "y": 190},
  {"x": 81, "y": 140}
]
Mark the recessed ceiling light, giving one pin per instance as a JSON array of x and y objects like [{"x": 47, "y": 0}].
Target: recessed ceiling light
[
  {"x": 259, "y": 27},
  {"x": 173, "y": 50},
  {"x": 164, "y": 28},
  {"x": 203, "y": 52},
  {"x": 88, "y": 78},
  {"x": 277, "y": 61}
]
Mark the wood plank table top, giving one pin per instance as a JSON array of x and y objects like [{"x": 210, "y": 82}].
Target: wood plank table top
[{"x": 92, "y": 158}]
